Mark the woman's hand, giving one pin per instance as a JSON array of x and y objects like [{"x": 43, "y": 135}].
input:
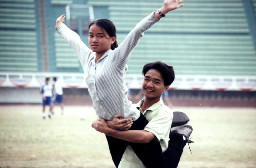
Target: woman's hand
[
  {"x": 59, "y": 21},
  {"x": 170, "y": 5},
  {"x": 100, "y": 125},
  {"x": 119, "y": 123}
]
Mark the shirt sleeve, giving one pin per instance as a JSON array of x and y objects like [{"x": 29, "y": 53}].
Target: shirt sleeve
[
  {"x": 125, "y": 48},
  {"x": 160, "y": 125},
  {"x": 73, "y": 39}
]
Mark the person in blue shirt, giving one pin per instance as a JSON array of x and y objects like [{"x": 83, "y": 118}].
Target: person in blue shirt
[{"x": 46, "y": 91}]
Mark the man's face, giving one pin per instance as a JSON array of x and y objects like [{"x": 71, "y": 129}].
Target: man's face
[{"x": 153, "y": 84}]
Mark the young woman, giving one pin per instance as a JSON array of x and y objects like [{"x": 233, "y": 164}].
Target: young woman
[{"x": 104, "y": 66}]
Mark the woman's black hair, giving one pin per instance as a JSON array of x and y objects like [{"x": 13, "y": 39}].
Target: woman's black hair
[
  {"x": 166, "y": 71},
  {"x": 109, "y": 27}
]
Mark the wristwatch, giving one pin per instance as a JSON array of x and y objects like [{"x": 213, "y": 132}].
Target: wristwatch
[{"x": 160, "y": 13}]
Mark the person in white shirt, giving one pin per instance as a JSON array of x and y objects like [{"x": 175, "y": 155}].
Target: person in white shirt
[
  {"x": 58, "y": 96},
  {"x": 104, "y": 65},
  {"x": 46, "y": 91}
]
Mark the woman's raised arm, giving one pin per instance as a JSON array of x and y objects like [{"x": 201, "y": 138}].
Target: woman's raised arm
[
  {"x": 168, "y": 6},
  {"x": 59, "y": 21}
]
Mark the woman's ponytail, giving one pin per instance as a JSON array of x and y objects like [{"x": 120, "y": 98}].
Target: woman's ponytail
[{"x": 114, "y": 45}]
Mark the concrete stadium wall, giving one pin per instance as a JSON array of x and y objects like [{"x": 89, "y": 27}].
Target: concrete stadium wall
[
  {"x": 189, "y": 98},
  {"x": 19, "y": 95}
]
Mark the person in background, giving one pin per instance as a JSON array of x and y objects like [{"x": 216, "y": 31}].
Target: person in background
[
  {"x": 166, "y": 99},
  {"x": 58, "y": 93},
  {"x": 46, "y": 91}
]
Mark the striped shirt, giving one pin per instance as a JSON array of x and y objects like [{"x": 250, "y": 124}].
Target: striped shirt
[{"x": 106, "y": 77}]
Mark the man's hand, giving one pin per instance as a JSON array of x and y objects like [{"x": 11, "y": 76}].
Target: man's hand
[
  {"x": 134, "y": 136},
  {"x": 59, "y": 21},
  {"x": 119, "y": 123}
]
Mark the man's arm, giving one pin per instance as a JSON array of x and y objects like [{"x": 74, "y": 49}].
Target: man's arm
[
  {"x": 134, "y": 136},
  {"x": 43, "y": 97},
  {"x": 42, "y": 92}
]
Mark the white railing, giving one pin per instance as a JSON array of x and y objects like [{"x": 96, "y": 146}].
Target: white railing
[{"x": 182, "y": 82}]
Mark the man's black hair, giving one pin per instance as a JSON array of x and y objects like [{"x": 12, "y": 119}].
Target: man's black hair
[{"x": 166, "y": 71}]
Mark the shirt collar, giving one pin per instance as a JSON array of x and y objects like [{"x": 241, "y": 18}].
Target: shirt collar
[
  {"x": 151, "y": 108},
  {"x": 103, "y": 56}
]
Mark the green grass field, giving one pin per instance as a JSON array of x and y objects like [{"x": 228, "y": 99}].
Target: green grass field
[{"x": 224, "y": 137}]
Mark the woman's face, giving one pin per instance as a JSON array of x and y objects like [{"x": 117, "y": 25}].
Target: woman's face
[{"x": 99, "y": 40}]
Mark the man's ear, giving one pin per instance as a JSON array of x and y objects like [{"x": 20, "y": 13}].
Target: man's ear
[{"x": 166, "y": 88}]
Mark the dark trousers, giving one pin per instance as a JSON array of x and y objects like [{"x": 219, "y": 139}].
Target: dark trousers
[
  {"x": 150, "y": 154},
  {"x": 174, "y": 151}
]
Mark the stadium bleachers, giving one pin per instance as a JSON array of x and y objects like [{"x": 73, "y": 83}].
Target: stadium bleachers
[
  {"x": 254, "y": 5},
  {"x": 65, "y": 56},
  {"x": 18, "y": 42},
  {"x": 61, "y": 2},
  {"x": 202, "y": 38}
]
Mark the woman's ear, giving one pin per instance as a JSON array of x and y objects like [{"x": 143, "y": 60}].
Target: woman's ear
[{"x": 113, "y": 39}]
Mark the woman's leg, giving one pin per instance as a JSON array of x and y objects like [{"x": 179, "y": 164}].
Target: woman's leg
[
  {"x": 117, "y": 146},
  {"x": 174, "y": 151},
  {"x": 150, "y": 153}
]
